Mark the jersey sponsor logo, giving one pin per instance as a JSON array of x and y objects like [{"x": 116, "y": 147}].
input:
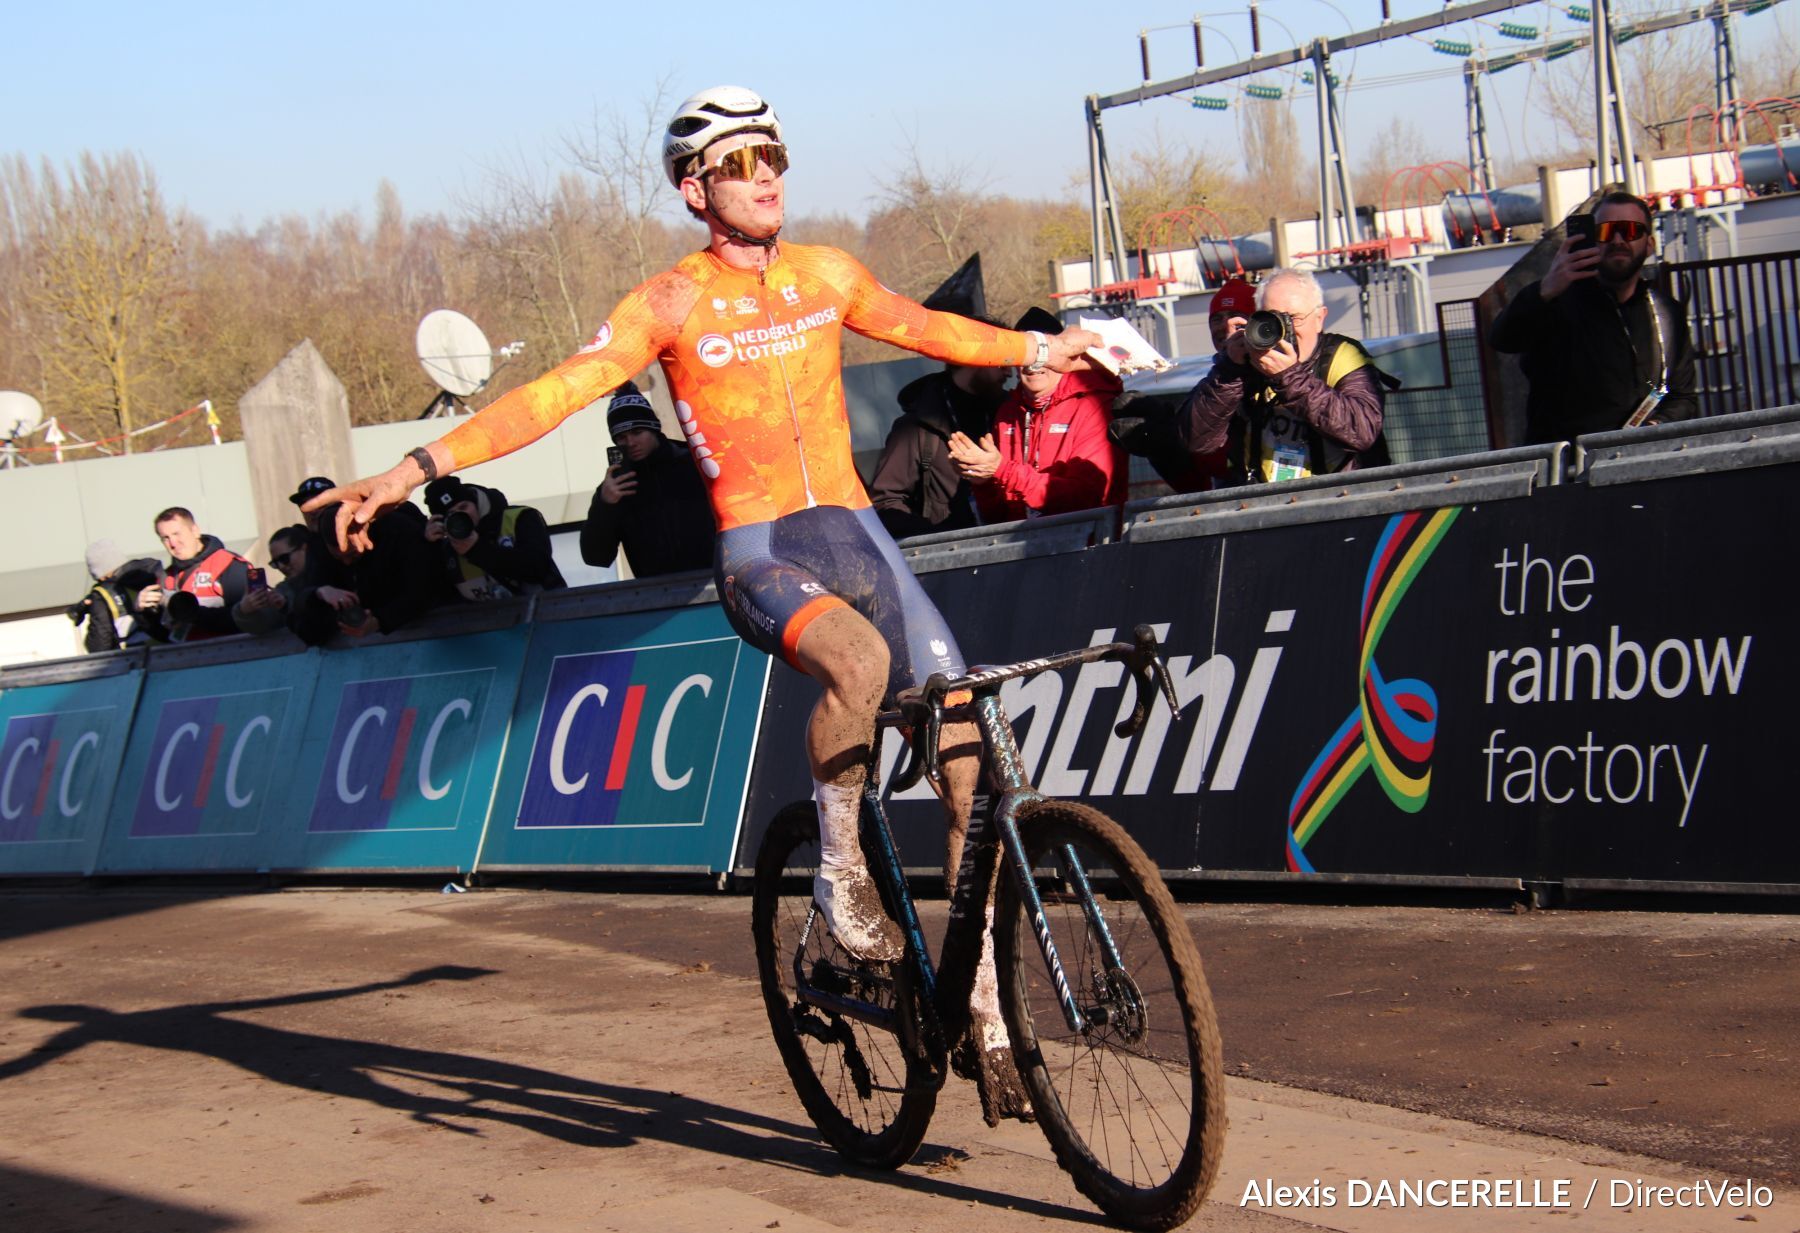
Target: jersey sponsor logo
[
  {"x": 813, "y": 588},
  {"x": 600, "y": 339},
  {"x": 745, "y": 305},
  {"x": 719, "y": 306},
  {"x": 690, "y": 428},
  {"x": 401, "y": 752},
  {"x": 791, "y": 294},
  {"x": 939, "y": 647},
  {"x": 780, "y": 338},
  {"x": 49, "y": 767},
  {"x": 714, "y": 350},
  {"x": 209, "y": 765},
  {"x": 628, "y": 737},
  {"x": 740, "y": 603}
]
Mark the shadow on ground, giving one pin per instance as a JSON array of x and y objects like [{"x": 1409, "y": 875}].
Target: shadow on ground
[
  {"x": 458, "y": 1092},
  {"x": 51, "y": 1203}
]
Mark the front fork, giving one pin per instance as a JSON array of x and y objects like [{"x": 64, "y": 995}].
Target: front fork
[{"x": 1016, "y": 793}]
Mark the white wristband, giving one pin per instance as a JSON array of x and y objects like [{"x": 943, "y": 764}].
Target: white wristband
[{"x": 1043, "y": 351}]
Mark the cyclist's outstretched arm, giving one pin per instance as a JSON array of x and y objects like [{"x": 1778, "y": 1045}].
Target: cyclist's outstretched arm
[
  {"x": 876, "y": 312},
  {"x": 636, "y": 331}
]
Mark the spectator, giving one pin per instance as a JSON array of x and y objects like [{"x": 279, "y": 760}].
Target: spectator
[
  {"x": 210, "y": 575},
  {"x": 110, "y": 606},
  {"x": 918, "y": 487},
  {"x": 1148, "y": 428},
  {"x": 653, "y": 502},
  {"x": 295, "y": 552},
  {"x": 486, "y": 548},
  {"x": 1053, "y": 454},
  {"x": 1595, "y": 337},
  {"x": 1306, "y": 406},
  {"x": 376, "y": 591}
]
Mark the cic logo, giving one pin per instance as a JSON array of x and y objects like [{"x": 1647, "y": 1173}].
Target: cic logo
[
  {"x": 628, "y": 738},
  {"x": 48, "y": 767},
  {"x": 400, "y": 753},
  {"x": 209, "y": 765}
]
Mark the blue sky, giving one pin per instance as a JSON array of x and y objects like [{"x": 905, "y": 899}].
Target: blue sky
[{"x": 248, "y": 112}]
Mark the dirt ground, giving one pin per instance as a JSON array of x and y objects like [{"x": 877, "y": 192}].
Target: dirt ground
[{"x": 548, "y": 1060}]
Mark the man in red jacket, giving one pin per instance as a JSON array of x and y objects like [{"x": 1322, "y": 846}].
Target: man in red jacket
[
  {"x": 1049, "y": 452},
  {"x": 211, "y": 577}
]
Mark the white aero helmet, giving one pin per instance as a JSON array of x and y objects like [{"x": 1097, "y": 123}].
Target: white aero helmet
[{"x": 710, "y": 115}]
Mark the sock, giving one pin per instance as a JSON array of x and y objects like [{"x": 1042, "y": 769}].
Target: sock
[{"x": 840, "y": 820}]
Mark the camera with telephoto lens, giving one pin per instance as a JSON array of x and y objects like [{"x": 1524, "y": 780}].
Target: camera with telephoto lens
[
  {"x": 458, "y": 524},
  {"x": 182, "y": 607},
  {"x": 1265, "y": 329}
]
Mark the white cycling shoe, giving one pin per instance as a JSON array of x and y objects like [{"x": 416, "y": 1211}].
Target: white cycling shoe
[{"x": 851, "y": 905}]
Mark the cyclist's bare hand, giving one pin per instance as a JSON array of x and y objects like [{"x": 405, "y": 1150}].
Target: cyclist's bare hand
[
  {"x": 1069, "y": 350},
  {"x": 364, "y": 500}
]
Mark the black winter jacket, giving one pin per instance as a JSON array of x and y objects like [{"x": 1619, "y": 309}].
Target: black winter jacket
[
  {"x": 917, "y": 488},
  {"x": 510, "y": 556},
  {"x": 665, "y": 527},
  {"x": 1591, "y": 360}
]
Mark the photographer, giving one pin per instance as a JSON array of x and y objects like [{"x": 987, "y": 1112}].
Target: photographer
[
  {"x": 487, "y": 548},
  {"x": 1284, "y": 399},
  {"x": 110, "y": 606},
  {"x": 202, "y": 583},
  {"x": 652, "y": 502},
  {"x": 1597, "y": 340}
]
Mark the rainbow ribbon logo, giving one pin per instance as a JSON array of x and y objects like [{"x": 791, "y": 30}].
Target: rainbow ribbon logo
[{"x": 1394, "y": 725}]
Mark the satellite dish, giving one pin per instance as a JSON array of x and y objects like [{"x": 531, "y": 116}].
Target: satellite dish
[
  {"x": 455, "y": 352},
  {"x": 19, "y": 413}
]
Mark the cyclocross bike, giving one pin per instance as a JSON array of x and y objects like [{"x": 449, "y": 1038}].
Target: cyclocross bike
[{"x": 1101, "y": 988}]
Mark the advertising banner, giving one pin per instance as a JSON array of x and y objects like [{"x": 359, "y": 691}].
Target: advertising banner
[
  {"x": 60, "y": 750},
  {"x": 1583, "y": 684},
  {"x": 209, "y": 773},
  {"x": 630, "y": 745},
  {"x": 399, "y": 754}
]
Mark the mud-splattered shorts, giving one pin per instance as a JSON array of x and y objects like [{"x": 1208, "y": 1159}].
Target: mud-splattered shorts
[{"x": 776, "y": 578}]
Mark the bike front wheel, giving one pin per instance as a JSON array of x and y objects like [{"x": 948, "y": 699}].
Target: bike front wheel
[
  {"x": 869, "y": 1095},
  {"x": 1133, "y": 1102}
]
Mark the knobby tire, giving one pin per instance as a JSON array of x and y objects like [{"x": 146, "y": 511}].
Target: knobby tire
[
  {"x": 1133, "y": 1107},
  {"x": 870, "y": 1097}
]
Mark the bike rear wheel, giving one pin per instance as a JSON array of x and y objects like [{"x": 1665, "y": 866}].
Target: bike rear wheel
[
  {"x": 870, "y": 1096},
  {"x": 1133, "y": 1104}
]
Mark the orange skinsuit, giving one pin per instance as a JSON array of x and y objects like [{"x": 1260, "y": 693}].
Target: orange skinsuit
[{"x": 753, "y": 359}]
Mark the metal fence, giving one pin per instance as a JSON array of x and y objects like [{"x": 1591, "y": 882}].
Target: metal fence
[
  {"x": 1744, "y": 318},
  {"x": 1443, "y": 421}
]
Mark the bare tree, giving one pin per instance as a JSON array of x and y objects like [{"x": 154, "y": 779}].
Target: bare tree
[
  {"x": 1276, "y": 172},
  {"x": 938, "y": 205},
  {"x": 1668, "y": 76},
  {"x": 624, "y": 155},
  {"x": 102, "y": 254}
]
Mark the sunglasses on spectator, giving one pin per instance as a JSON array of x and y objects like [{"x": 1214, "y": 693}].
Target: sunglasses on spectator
[
  {"x": 1627, "y": 230},
  {"x": 281, "y": 562},
  {"x": 740, "y": 164}
]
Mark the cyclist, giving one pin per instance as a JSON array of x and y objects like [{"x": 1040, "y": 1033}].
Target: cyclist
[{"x": 747, "y": 331}]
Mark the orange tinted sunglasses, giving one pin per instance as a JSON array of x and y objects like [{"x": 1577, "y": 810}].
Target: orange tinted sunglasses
[
  {"x": 740, "y": 164},
  {"x": 1628, "y": 230}
]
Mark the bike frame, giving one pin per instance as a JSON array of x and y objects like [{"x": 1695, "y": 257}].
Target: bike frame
[{"x": 945, "y": 992}]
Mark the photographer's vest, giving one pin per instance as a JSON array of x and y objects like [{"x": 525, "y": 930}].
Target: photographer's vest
[
  {"x": 475, "y": 583},
  {"x": 202, "y": 581},
  {"x": 1275, "y": 444}
]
